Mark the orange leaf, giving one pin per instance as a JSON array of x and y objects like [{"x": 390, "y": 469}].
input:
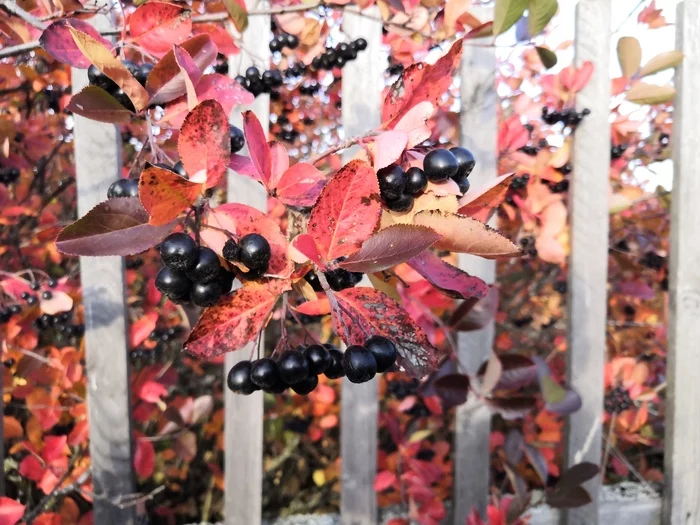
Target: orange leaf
[{"x": 165, "y": 194}]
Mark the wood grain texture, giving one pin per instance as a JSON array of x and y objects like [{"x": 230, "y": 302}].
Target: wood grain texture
[
  {"x": 478, "y": 132},
  {"x": 363, "y": 80},
  {"x": 588, "y": 262},
  {"x": 98, "y": 164},
  {"x": 243, "y": 423},
  {"x": 682, "y": 492}
]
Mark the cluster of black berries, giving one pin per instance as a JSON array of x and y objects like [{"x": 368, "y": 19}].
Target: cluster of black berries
[
  {"x": 338, "y": 279},
  {"x": 338, "y": 56},
  {"x": 299, "y": 369},
  {"x": 309, "y": 88},
  {"x": 252, "y": 250},
  {"x": 191, "y": 272},
  {"x": 296, "y": 70},
  {"x": 617, "y": 151},
  {"x": 618, "y": 400},
  {"x": 520, "y": 182},
  {"x": 62, "y": 323},
  {"x": 284, "y": 40},
  {"x": 99, "y": 79},
  {"x": 398, "y": 187},
  {"x": 529, "y": 150},
  {"x": 559, "y": 187},
  {"x": 258, "y": 83},
  {"x": 221, "y": 64},
  {"x": 148, "y": 356},
  {"x": 569, "y": 117},
  {"x": 8, "y": 175},
  {"x": 402, "y": 389}
]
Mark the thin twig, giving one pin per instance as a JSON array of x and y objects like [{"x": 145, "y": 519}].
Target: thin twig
[
  {"x": 16, "y": 10},
  {"x": 31, "y": 515}
]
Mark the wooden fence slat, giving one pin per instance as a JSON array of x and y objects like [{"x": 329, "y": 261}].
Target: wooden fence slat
[
  {"x": 363, "y": 81},
  {"x": 243, "y": 423},
  {"x": 478, "y": 132},
  {"x": 588, "y": 262},
  {"x": 682, "y": 409},
  {"x": 97, "y": 165}
]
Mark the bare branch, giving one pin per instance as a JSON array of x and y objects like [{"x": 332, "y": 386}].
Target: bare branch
[{"x": 16, "y": 10}]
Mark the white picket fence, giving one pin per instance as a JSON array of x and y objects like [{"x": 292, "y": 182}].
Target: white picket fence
[{"x": 98, "y": 164}]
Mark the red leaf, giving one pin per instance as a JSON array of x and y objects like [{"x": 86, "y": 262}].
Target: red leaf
[
  {"x": 31, "y": 468},
  {"x": 191, "y": 73},
  {"x": 11, "y": 511},
  {"x": 144, "y": 458},
  {"x": 156, "y": 26},
  {"x": 413, "y": 123},
  {"x": 421, "y": 82},
  {"x": 152, "y": 392},
  {"x": 114, "y": 227},
  {"x": 239, "y": 220},
  {"x": 141, "y": 329},
  {"x": 366, "y": 311},
  {"x": 300, "y": 185},
  {"x": 320, "y": 306},
  {"x": 384, "y": 480},
  {"x": 480, "y": 203},
  {"x": 574, "y": 79},
  {"x": 222, "y": 38},
  {"x": 387, "y": 147},
  {"x": 389, "y": 247},
  {"x": 235, "y": 320},
  {"x": 204, "y": 144},
  {"x": 449, "y": 279},
  {"x": 58, "y": 42},
  {"x": 347, "y": 211},
  {"x": 258, "y": 148},
  {"x": 279, "y": 163},
  {"x": 166, "y": 82},
  {"x": 243, "y": 166},
  {"x": 96, "y": 104},
  {"x": 165, "y": 194},
  {"x": 303, "y": 248}
]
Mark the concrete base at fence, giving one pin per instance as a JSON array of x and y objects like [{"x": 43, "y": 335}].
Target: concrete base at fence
[{"x": 622, "y": 504}]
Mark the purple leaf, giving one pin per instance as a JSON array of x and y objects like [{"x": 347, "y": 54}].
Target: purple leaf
[
  {"x": 389, "y": 247},
  {"x": 452, "y": 389},
  {"x": 511, "y": 407},
  {"x": 570, "y": 499},
  {"x": 96, "y": 104},
  {"x": 449, "y": 279},
  {"x": 513, "y": 447},
  {"x": 58, "y": 42},
  {"x": 518, "y": 371},
  {"x": 446, "y": 367},
  {"x": 114, "y": 227},
  {"x": 538, "y": 462},
  {"x": 577, "y": 475},
  {"x": 474, "y": 314}
]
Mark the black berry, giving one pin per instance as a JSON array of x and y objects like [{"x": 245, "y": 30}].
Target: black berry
[
  {"x": 205, "y": 294},
  {"x": 335, "y": 370},
  {"x": 264, "y": 373},
  {"x": 123, "y": 188},
  {"x": 383, "y": 350},
  {"x": 207, "y": 267},
  {"x": 341, "y": 279},
  {"x": 463, "y": 185},
  {"x": 403, "y": 203},
  {"x": 319, "y": 359},
  {"x": 46, "y": 295},
  {"x": 226, "y": 279},
  {"x": 416, "y": 181},
  {"x": 392, "y": 182},
  {"x": 440, "y": 164},
  {"x": 360, "y": 44},
  {"x": 142, "y": 73},
  {"x": 465, "y": 161},
  {"x": 179, "y": 251},
  {"x": 124, "y": 99},
  {"x": 359, "y": 364},
  {"x": 305, "y": 386},
  {"x": 290, "y": 41},
  {"x": 237, "y": 139},
  {"x": 276, "y": 45},
  {"x": 254, "y": 252},
  {"x": 238, "y": 379},
  {"x": 179, "y": 168},
  {"x": 99, "y": 79},
  {"x": 252, "y": 73},
  {"x": 292, "y": 367},
  {"x": 172, "y": 282}
]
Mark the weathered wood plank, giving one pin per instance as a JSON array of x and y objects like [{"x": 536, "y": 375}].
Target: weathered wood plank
[
  {"x": 363, "y": 80},
  {"x": 98, "y": 164},
  {"x": 243, "y": 428},
  {"x": 682, "y": 491},
  {"x": 588, "y": 262},
  {"x": 478, "y": 132},
  {"x": 615, "y": 511}
]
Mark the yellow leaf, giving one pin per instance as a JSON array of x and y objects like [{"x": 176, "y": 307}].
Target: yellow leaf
[
  {"x": 420, "y": 435},
  {"x": 629, "y": 54},
  {"x": 238, "y": 14},
  {"x": 642, "y": 93},
  {"x": 662, "y": 61}
]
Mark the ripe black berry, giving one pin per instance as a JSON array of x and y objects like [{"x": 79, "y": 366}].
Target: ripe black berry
[
  {"x": 359, "y": 364},
  {"x": 172, "y": 282},
  {"x": 276, "y": 45},
  {"x": 416, "y": 181},
  {"x": 342, "y": 49},
  {"x": 392, "y": 181},
  {"x": 237, "y": 139},
  {"x": 254, "y": 252},
  {"x": 403, "y": 203},
  {"x": 293, "y": 367},
  {"x": 231, "y": 250},
  {"x": 124, "y": 99},
  {"x": 277, "y": 388},
  {"x": 123, "y": 188},
  {"x": 35, "y": 286},
  {"x": 335, "y": 370},
  {"x": 440, "y": 164},
  {"x": 205, "y": 294},
  {"x": 15, "y": 309},
  {"x": 46, "y": 295},
  {"x": 319, "y": 359},
  {"x": 264, "y": 373},
  {"x": 465, "y": 160},
  {"x": 142, "y": 73},
  {"x": 305, "y": 386},
  {"x": 226, "y": 279},
  {"x": 99, "y": 79},
  {"x": 383, "y": 350},
  {"x": 179, "y": 251},
  {"x": 179, "y": 168},
  {"x": 290, "y": 41},
  {"x": 312, "y": 279},
  {"x": 238, "y": 379},
  {"x": 341, "y": 279},
  {"x": 360, "y": 44},
  {"x": 32, "y": 300},
  {"x": 463, "y": 185},
  {"x": 252, "y": 73},
  {"x": 207, "y": 267}
]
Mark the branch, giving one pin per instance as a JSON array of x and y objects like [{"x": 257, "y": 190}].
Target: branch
[
  {"x": 16, "y": 10},
  {"x": 344, "y": 145},
  {"x": 30, "y": 516}
]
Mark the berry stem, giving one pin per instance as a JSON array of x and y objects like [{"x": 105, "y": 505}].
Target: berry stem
[
  {"x": 311, "y": 335},
  {"x": 344, "y": 145}
]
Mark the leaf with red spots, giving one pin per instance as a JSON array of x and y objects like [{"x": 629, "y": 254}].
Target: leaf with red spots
[
  {"x": 167, "y": 82},
  {"x": 236, "y": 319},
  {"x": 421, "y": 82},
  {"x": 239, "y": 220},
  {"x": 466, "y": 235},
  {"x": 204, "y": 144},
  {"x": 258, "y": 148},
  {"x": 300, "y": 185},
  {"x": 365, "y": 312},
  {"x": 165, "y": 194},
  {"x": 347, "y": 211},
  {"x": 114, "y": 227},
  {"x": 58, "y": 42},
  {"x": 156, "y": 26},
  {"x": 449, "y": 279},
  {"x": 96, "y": 104},
  {"x": 389, "y": 247},
  {"x": 11, "y": 511},
  {"x": 481, "y": 203}
]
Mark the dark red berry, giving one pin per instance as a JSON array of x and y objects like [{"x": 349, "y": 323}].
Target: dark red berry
[
  {"x": 306, "y": 386},
  {"x": 292, "y": 367},
  {"x": 392, "y": 181},
  {"x": 179, "y": 251},
  {"x": 335, "y": 370},
  {"x": 403, "y": 203},
  {"x": 205, "y": 294},
  {"x": 319, "y": 359},
  {"x": 383, "y": 350},
  {"x": 207, "y": 268},
  {"x": 255, "y": 252},
  {"x": 172, "y": 282},
  {"x": 416, "y": 181},
  {"x": 465, "y": 160},
  {"x": 439, "y": 165},
  {"x": 237, "y": 139},
  {"x": 264, "y": 373},
  {"x": 359, "y": 364},
  {"x": 238, "y": 379}
]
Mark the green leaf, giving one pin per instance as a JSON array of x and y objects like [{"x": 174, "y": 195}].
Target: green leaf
[
  {"x": 661, "y": 62},
  {"x": 629, "y": 54},
  {"x": 547, "y": 56},
  {"x": 507, "y": 13},
  {"x": 540, "y": 14},
  {"x": 643, "y": 93},
  {"x": 238, "y": 13}
]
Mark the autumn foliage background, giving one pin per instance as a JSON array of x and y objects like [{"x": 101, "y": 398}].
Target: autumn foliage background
[{"x": 178, "y": 400}]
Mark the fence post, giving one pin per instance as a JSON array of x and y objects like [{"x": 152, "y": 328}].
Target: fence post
[
  {"x": 478, "y": 132},
  {"x": 243, "y": 415},
  {"x": 363, "y": 81},
  {"x": 588, "y": 261},
  {"x": 682, "y": 411}
]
